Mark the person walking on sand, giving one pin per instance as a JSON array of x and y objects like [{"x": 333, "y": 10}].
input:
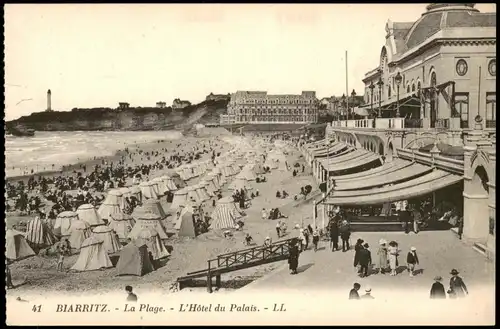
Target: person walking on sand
[
  {"x": 60, "y": 260},
  {"x": 315, "y": 239},
  {"x": 302, "y": 239},
  {"x": 345, "y": 235},
  {"x": 334, "y": 234},
  {"x": 264, "y": 214},
  {"x": 437, "y": 289},
  {"x": 382, "y": 256},
  {"x": 353, "y": 294},
  {"x": 278, "y": 228},
  {"x": 393, "y": 253},
  {"x": 412, "y": 261},
  {"x": 357, "y": 247},
  {"x": 458, "y": 289}
]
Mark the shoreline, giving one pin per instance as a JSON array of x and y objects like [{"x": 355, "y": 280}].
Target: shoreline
[{"x": 69, "y": 168}]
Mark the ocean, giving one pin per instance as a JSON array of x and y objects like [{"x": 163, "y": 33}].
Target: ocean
[{"x": 49, "y": 151}]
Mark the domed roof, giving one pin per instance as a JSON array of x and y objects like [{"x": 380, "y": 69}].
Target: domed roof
[{"x": 441, "y": 16}]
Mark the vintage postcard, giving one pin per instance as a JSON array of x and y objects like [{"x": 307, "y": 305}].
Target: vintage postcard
[{"x": 239, "y": 164}]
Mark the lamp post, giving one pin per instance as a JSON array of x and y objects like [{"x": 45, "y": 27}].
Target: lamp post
[
  {"x": 398, "y": 79},
  {"x": 380, "y": 84},
  {"x": 353, "y": 95},
  {"x": 371, "y": 86},
  {"x": 343, "y": 100}
]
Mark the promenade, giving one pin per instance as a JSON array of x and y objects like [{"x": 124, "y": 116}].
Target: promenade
[{"x": 438, "y": 251}]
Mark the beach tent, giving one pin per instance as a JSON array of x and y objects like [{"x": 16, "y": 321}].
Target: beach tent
[
  {"x": 201, "y": 192},
  {"x": 108, "y": 209},
  {"x": 38, "y": 234},
  {"x": 62, "y": 225},
  {"x": 80, "y": 230},
  {"x": 135, "y": 191},
  {"x": 180, "y": 197},
  {"x": 92, "y": 256},
  {"x": 16, "y": 247},
  {"x": 225, "y": 214},
  {"x": 192, "y": 195},
  {"x": 89, "y": 214},
  {"x": 185, "y": 223},
  {"x": 176, "y": 178},
  {"x": 111, "y": 242},
  {"x": 125, "y": 191},
  {"x": 152, "y": 206},
  {"x": 162, "y": 187},
  {"x": 156, "y": 188},
  {"x": 134, "y": 260},
  {"x": 151, "y": 238},
  {"x": 148, "y": 220},
  {"x": 240, "y": 183},
  {"x": 148, "y": 191},
  {"x": 169, "y": 183},
  {"x": 114, "y": 196},
  {"x": 122, "y": 224},
  {"x": 248, "y": 174},
  {"x": 209, "y": 188}
]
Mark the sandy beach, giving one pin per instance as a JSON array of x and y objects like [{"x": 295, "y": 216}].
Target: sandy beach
[{"x": 39, "y": 274}]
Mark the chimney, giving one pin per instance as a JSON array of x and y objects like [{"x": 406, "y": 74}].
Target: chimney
[{"x": 49, "y": 100}]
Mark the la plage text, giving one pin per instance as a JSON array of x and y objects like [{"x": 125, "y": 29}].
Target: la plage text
[{"x": 68, "y": 308}]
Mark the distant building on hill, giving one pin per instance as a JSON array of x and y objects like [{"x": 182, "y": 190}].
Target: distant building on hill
[
  {"x": 161, "y": 105},
  {"x": 179, "y": 104},
  {"x": 257, "y": 107},
  {"x": 218, "y": 97},
  {"x": 123, "y": 105}
]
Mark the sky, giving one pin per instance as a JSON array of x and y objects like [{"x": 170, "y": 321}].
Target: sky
[{"x": 96, "y": 55}]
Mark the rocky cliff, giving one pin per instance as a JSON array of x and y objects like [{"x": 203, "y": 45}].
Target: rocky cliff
[{"x": 140, "y": 118}]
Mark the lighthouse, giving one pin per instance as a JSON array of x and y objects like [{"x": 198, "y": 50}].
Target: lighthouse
[{"x": 49, "y": 101}]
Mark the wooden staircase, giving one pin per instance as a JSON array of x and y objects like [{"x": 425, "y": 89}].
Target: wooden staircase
[{"x": 238, "y": 260}]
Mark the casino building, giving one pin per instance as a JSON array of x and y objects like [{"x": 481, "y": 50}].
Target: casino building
[
  {"x": 438, "y": 72},
  {"x": 257, "y": 107}
]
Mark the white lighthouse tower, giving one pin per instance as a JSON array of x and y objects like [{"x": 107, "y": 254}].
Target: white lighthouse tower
[{"x": 49, "y": 101}]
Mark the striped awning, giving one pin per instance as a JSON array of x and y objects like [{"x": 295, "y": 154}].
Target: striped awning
[
  {"x": 347, "y": 156},
  {"x": 386, "y": 168},
  {"x": 423, "y": 185},
  {"x": 356, "y": 162},
  {"x": 405, "y": 173},
  {"x": 329, "y": 151}
]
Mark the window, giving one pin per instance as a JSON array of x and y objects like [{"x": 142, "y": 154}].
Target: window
[
  {"x": 413, "y": 88},
  {"x": 491, "y": 107},
  {"x": 389, "y": 91},
  {"x": 408, "y": 89},
  {"x": 462, "y": 107},
  {"x": 492, "y": 67},
  {"x": 462, "y": 67}
]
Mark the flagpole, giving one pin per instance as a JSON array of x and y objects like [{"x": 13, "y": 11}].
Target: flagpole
[{"x": 346, "y": 86}]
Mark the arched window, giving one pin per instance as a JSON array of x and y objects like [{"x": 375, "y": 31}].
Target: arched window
[
  {"x": 408, "y": 89},
  {"x": 413, "y": 88},
  {"x": 389, "y": 91}
]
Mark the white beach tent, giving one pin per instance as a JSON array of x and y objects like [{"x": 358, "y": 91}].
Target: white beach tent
[
  {"x": 148, "y": 220},
  {"x": 80, "y": 230},
  {"x": 148, "y": 190},
  {"x": 115, "y": 196},
  {"x": 135, "y": 191},
  {"x": 180, "y": 198},
  {"x": 152, "y": 206},
  {"x": 111, "y": 242},
  {"x": 185, "y": 222},
  {"x": 88, "y": 214},
  {"x": 109, "y": 208},
  {"x": 92, "y": 256},
  {"x": 202, "y": 192},
  {"x": 162, "y": 188},
  {"x": 122, "y": 224},
  {"x": 62, "y": 225},
  {"x": 192, "y": 195},
  {"x": 150, "y": 237},
  {"x": 169, "y": 183},
  {"x": 225, "y": 214},
  {"x": 125, "y": 191}
]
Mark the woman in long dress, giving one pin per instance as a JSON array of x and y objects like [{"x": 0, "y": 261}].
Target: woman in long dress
[
  {"x": 393, "y": 253},
  {"x": 382, "y": 256}
]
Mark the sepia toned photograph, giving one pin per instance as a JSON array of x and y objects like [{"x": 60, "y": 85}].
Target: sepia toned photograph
[{"x": 250, "y": 164}]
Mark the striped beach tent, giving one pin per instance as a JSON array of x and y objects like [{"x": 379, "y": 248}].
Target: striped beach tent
[
  {"x": 148, "y": 190},
  {"x": 16, "y": 247},
  {"x": 151, "y": 238},
  {"x": 162, "y": 187},
  {"x": 225, "y": 214},
  {"x": 38, "y": 234},
  {"x": 62, "y": 225},
  {"x": 92, "y": 256},
  {"x": 169, "y": 183},
  {"x": 122, "y": 224},
  {"x": 80, "y": 230},
  {"x": 111, "y": 242}
]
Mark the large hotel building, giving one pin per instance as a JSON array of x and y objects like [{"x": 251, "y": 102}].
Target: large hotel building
[{"x": 257, "y": 107}]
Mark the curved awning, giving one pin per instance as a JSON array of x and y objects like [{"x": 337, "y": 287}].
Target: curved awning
[
  {"x": 352, "y": 154},
  {"x": 405, "y": 173},
  {"x": 416, "y": 187},
  {"x": 316, "y": 144},
  {"x": 329, "y": 151},
  {"x": 355, "y": 162},
  {"x": 386, "y": 168}
]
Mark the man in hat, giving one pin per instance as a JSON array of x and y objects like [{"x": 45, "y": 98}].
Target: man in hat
[
  {"x": 368, "y": 294},
  {"x": 365, "y": 260},
  {"x": 353, "y": 294},
  {"x": 437, "y": 289},
  {"x": 412, "y": 260},
  {"x": 457, "y": 286}
]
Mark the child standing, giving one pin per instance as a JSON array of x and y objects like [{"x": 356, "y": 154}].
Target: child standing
[{"x": 60, "y": 260}]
